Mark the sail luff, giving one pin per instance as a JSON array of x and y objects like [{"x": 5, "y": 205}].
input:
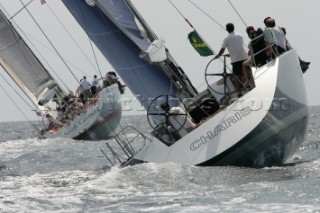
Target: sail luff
[
  {"x": 23, "y": 66},
  {"x": 129, "y": 28},
  {"x": 112, "y": 26},
  {"x": 152, "y": 36},
  {"x": 122, "y": 46},
  {"x": 19, "y": 83},
  {"x": 171, "y": 66}
]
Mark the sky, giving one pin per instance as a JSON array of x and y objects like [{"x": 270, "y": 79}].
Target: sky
[{"x": 298, "y": 17}]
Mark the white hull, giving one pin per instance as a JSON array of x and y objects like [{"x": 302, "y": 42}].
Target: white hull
[
  {"x": 263, "y": 128},
  {"x": 98, "y": 122}
]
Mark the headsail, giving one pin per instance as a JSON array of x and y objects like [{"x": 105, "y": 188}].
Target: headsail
[
  {"x": 23, "y": 67},
  {"x": 112, "y": 26}
]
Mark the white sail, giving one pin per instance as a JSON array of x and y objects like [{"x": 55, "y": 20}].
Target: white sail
[
  {"x": 96, "y": 120},
  {"x": 23, "y": 67}
]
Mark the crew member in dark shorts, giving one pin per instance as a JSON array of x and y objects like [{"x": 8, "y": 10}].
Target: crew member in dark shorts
[{"x": 234, "y": 43}]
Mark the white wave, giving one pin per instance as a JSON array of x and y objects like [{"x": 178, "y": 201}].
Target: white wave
[
  {"x": 14, "y": 149},
  {"x": 236, "y": 200},
  {"x": 45, "y": 192}
]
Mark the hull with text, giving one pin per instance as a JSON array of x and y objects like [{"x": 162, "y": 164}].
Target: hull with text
[
  {"x": 99, "y": 122},
  {"x": 263, "y": 128}
]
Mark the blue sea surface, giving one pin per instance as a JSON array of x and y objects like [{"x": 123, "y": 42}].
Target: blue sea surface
[{"x": 65, "y": 175}]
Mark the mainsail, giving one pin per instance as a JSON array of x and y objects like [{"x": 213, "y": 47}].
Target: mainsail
[
  {"x": 112, "y": 26},
  {"x": 23, "y": 67}
]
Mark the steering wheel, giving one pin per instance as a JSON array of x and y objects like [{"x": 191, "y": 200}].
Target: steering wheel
[
  {"x": 160, "y": 111},
  {"x": 225, "y": 75}
]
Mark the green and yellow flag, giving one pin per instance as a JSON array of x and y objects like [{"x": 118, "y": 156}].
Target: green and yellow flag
[{"x": 199, "y": 45}]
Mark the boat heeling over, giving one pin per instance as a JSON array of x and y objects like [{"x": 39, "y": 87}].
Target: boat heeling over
[
  {"x": 100, "y": 118},
  {"x": 96, "y": 120},
  {"x": 263, "y": 127},
  {"x": 258, "y": 134}
]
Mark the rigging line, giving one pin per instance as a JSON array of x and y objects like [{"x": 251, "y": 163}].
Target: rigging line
[
  {"x": 103, "y": 17},
  {"x": 93, "y": 52},
  {"x": 43, "y": 58},
  {"x": 180, "y": 13},
  {"x": 49, "y": 41},
  {"x": 90, "y": 42},
  {"x": 190, "y": 25},
  {"x": 16, "y": 13},
  {"x": 164, "y": 66},
  {"x": 49, "y": 49},
  {"x": 95, "y": 56},
  {"x": 16, "y": 92},
  {"x": 150, "y": 34},
  {"x": 72, "y": 38},
  {"x": 92, "y": 48},
  {"x": 19, "y": 38},
  {"x": 237, "y": 13},
  {"x": 108, "y": 90},
  {"x": 194, "y": 4},
  {"x": 222, "y": 27},
  {"x": 211, "y": 19},
  {"x": 16, "y": 105}
]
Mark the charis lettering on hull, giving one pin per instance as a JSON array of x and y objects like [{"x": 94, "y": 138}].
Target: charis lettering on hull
[{"x": 223, "y": 127}]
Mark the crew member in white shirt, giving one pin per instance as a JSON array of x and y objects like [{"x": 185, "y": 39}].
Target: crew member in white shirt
[
  {"x": 235, "y": 45},
  {"x": 95, "y": 84}
]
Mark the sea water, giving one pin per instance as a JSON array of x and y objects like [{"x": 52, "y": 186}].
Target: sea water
[{"x": 64, "y": 175}]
